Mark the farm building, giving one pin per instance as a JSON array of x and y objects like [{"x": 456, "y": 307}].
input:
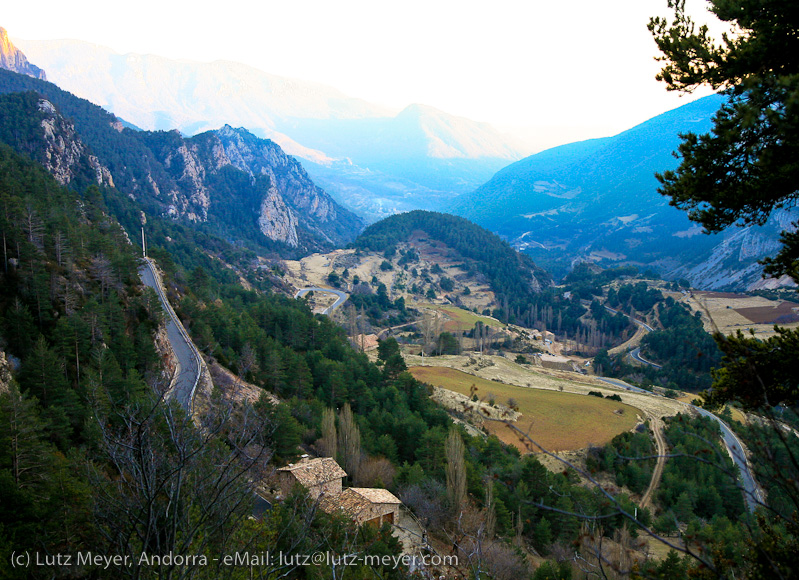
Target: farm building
[
  {"x": 364, "y": 505},
  {"x": 365, "y": 342},
  {"x": 319, "y": 476}
]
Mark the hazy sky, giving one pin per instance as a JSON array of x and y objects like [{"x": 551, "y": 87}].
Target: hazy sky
[{"x": 559, "y": 69}]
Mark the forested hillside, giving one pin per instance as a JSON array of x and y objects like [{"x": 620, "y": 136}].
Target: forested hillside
[{"x": 513, "y": 276}]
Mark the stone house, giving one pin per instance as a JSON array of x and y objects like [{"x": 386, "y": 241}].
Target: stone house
[
  {"x": 365, "y": 505},
  {"x": 320, "y": 476}
]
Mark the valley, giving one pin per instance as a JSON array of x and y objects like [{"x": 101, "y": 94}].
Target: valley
[{"x": 317, "y": 353}]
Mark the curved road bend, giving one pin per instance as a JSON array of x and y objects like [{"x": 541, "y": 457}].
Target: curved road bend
[
  {"x": 734, "y": 448},
  {"x": 656, "y": 425},
  {"x": 635, "y": 320},
  {"x": 636, "y": 356},
  {"x": 187, "y": 372},
  {"x": 342, "y": 297}
]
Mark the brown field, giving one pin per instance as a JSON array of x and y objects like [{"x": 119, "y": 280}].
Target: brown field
[
  {"x": 557, "y": 421},
  {"x": 728, "y": 313},
  {"x": 782, "y": 313},
  {"x": 709, "y": 294}
]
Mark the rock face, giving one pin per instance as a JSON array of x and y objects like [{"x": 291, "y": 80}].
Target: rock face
[
  {"x": 11, "y": 58},
  {"x": 732, "y": 264},
  {"x": 248, "y": 184},
  {"x": 32, "y": 125},
  {"x": 64, "y": 155},
  {"x": 5, "y": 373},
  {"x": 255, "y": 156}
]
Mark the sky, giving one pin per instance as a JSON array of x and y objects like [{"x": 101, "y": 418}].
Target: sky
[{"x": 546, "y": 71}]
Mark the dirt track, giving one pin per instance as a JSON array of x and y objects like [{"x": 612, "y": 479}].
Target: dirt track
[{"x": 656, "y": 425}]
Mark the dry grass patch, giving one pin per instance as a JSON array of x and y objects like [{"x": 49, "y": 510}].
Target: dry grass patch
[
  {"x": 460, "y": 320},
  {"x": 557, "y": 421}
]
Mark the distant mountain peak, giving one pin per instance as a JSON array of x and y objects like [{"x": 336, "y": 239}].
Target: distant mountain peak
[{"x": 11, "y": 58}]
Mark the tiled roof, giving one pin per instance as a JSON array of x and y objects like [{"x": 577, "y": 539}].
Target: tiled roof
[
  {"x": 350, "y": 503},
  {"x": 354, "y": 500},
  {"x": 376, "y": 495},
  {"x": 315, "y": 471}
]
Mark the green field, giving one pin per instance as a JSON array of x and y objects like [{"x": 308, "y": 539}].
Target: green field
[
  {"x": 557, "y": 421},
  {"x": 461, "y": 320}
]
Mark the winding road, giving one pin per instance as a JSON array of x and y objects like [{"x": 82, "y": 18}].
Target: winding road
[
  {"x": 342, "y": 297},
  {"x": 636, "y": 356},
  {"x": 751, "y": 490},
  {"x": 189, "y": 367}
]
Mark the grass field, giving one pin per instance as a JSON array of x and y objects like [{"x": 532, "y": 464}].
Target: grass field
[
  {"x": 557, "y": 421},
  {"x": 461, "y": 320}
]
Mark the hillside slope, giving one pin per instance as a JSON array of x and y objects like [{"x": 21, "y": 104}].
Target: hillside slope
[
  {"x": 512, "y": 276},
  {"x": 598, "y": 200}
]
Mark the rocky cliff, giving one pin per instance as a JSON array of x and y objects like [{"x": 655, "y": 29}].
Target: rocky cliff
[
  {"x": 32, "y": 125},
  {"x": 320, "y": 214},
  {"x": 11, "y": 58}
]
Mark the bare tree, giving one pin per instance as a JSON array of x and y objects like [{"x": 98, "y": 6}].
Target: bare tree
[
  {"x": 349, "y": 441},
  {"x": 61, "y": 247},
  {"x": 456, "y": 471},
  {"x": 375, "y": 472},
  {"x": 171, "y": 488},
  {"x": 490, "y": 511},
  {"x": 328, "y": 444},
  {"x": 248, "y": 361}
]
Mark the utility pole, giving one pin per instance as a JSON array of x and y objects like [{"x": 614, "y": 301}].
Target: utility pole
[{"x": 143, "y": 219}]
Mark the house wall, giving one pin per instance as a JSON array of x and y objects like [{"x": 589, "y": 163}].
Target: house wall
[{"x": 379, "y": 513}]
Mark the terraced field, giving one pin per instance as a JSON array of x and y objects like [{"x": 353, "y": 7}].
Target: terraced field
[{"x": 557, "y": 421}]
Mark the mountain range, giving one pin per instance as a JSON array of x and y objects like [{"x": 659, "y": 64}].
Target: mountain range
[
  {"x": 594, "y": 200},
  {"x": 370, "y": 158},
  {"x": 243, "y": 188},
  {"x": 597, "y": 200}
]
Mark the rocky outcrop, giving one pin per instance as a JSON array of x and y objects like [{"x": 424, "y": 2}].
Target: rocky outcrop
[
  {"x": 11, "y": 58},
  {"x": 64, "y": 154},
  {"x": 316, "y": 210},
  {"x": 733, "y": 264},
  {"x": 272, "y": 193},
  {"x": 276, "y": 220},
  {"x": 5, "y": 373}
]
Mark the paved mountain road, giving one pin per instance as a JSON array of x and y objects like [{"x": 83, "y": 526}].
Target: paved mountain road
[
  {"x": 636, "y": 355},
  {"x": 342, "y": 297},
  {"x": 750, "y": 489},
  {"x": 187, "y": 373}
]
